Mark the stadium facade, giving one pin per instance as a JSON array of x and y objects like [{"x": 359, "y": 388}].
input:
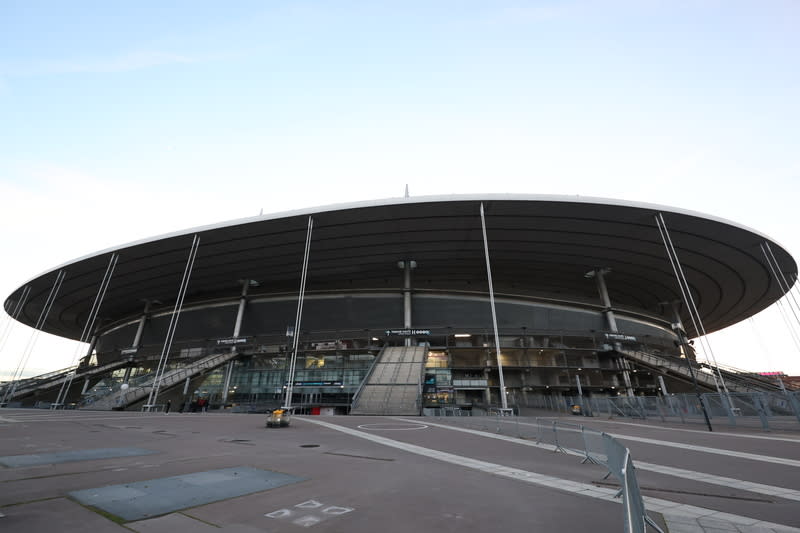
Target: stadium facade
[{"x": 398, "y": 305}]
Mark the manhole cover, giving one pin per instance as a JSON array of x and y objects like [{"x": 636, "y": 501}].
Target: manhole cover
[{"x": 309, "y": 445}]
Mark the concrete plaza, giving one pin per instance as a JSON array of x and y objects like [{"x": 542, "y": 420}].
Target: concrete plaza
[{"x": 150, "y": 472}]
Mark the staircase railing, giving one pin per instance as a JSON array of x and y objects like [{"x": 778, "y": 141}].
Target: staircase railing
[
  {"x": 168, "y": 380},
  {"x": 367, "y": 377}
]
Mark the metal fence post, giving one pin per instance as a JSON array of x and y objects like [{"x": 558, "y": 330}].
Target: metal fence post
[
  {"x": 761, "y": 411},
  {"x": 555, "y": 439},
  {"x": 728, "y": 404},
  {"x": 795, "y": 403},
  {"x": 587, "y": 456}
]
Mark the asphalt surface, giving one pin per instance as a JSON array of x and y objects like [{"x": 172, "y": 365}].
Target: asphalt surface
[{"x": 364, "y": 474}]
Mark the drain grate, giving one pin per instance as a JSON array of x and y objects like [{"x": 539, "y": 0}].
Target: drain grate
[{"x": 309, "y": 445}]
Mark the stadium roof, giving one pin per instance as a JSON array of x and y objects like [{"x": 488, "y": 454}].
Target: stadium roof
[{"x": 541, "y": 247}]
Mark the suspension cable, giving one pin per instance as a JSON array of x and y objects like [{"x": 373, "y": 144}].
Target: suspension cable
[
  {"x": 173, "y": 324},
  {"x": 690, "y": 304},
  {"x": 783, "y": 284},
  {"x": 13, "y": 316},
  {"x": 298, "y": 316},
  {"x": 789, "y": 325},
  {"x": 26, "y": 354},
  {"x": 88, "y": 327},
  {"x": 503, "y": 400}
]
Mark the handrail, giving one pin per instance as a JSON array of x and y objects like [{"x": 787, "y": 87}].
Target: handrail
[
  {"x": 357, "y": 395},
  {"x": 56, "y": 379},
  {"x": 420, "y": 386},
  {"x": 24, "y": 384},
  {"x": 701, "y": 376},
  {"x": 743, "y": 376},
  {"x": 168, "y": 379}
]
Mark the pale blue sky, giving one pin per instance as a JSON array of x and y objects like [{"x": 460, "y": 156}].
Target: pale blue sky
[{"x": 121, "y": 120}]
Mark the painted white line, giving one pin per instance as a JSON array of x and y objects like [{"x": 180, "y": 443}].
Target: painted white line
[
  {"x": 693, "y": 447},
  {"x": 392, "y": 427},
  {"x": 769, "y": 490},
  {"x": 717, "y": 451},
  {"x": 761, "y": 437},
  {"x": 67, "y": 418},
  {"x": 548, "y": 481}
]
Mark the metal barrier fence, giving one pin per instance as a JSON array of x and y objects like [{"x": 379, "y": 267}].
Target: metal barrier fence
[
  {"x": 769, "y": 410},
  {"x": 594, "y": 447}
]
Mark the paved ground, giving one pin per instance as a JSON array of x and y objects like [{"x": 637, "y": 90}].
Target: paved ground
[{"x": 206, "y": 472}]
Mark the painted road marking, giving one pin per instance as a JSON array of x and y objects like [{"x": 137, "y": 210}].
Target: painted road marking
[
  {"x": 693, "y": 447},
  {"x": 302, "y": 515},
  {"x": 575, "y": 487},
  {"x": 740, "y": 435},
  {"x": 412, "y": 426},
  {"x": 770, "y": 490}
]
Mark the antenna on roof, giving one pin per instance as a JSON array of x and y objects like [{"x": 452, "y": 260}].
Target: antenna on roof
[{"x": 407, "y": 196}]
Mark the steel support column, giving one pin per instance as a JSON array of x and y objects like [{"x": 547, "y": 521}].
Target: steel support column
[
  {"x": 407, "y": 266},
  {"x": 137, "y": 339},
  {"x": 599, "y": 275},
  {"x": 236, "y": 329}
]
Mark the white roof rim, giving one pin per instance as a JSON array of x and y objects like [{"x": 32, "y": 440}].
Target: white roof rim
[{"x": 414, "y": 200}]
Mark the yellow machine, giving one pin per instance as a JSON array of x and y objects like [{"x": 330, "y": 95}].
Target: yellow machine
[{"x": 278, "y": 418}]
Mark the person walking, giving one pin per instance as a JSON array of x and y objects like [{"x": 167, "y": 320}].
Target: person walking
[{"x": 166, "y": 407}]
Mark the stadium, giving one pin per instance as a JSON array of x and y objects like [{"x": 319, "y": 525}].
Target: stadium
[{"x": 402, "y": 305}]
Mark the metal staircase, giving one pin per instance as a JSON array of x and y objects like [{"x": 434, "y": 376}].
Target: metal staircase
[
  {"x": 51, "y": 380},
  {"x": 120, "y": 399},
  {"x": 754, "y": 382},
  {"x": 704, "y": 373},
  {"x": 394, "y": 385}
]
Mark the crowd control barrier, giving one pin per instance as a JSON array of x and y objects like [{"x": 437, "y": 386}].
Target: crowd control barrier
[{"x": 592, "y": 446}]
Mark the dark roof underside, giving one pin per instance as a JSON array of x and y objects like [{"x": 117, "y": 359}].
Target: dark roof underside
[{"x": 540, "y": 248}]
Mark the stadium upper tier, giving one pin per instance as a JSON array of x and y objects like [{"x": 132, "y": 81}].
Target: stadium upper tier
[{"x": 541, "y": 248}]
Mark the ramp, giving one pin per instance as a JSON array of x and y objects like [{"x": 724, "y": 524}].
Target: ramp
[
  {"x": 394, "y": 386},
  {"x": 119, "y": 399},
  {"x": 54, "y": 380},
  {"x": 679, "y": 369}
]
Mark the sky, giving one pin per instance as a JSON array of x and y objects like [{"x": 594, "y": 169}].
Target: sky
[{"x": 125, "y": 120}]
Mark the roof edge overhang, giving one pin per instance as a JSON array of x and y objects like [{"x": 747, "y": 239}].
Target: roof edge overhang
[{"x": 410, "y": 200}]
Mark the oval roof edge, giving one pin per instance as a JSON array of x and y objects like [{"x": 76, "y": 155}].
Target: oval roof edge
[{"x": 408, "y": 200}]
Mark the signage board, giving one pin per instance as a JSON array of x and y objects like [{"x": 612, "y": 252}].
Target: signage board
[
  {"x": 407, "y": 332},
  {"x": 231, "y": 341},
  {"x": 317, "y": 384},
  {"x": 619, "y": 337}
]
